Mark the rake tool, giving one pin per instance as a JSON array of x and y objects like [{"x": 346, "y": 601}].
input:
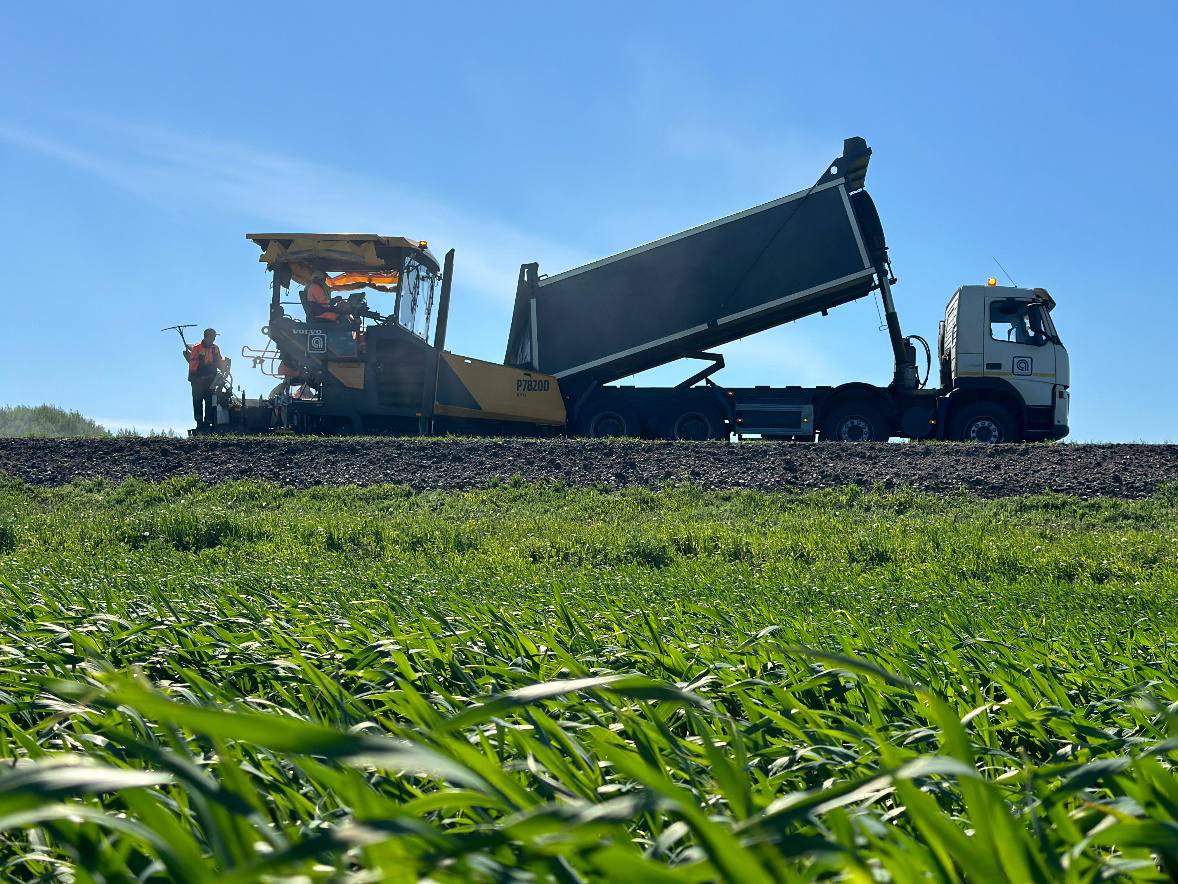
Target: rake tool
[{"x": 179, "y": 329}]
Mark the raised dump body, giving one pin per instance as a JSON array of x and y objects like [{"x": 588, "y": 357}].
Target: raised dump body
[{"x": 704, "y": 287}]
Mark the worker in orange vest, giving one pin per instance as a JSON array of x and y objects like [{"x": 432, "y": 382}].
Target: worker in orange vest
[
  {"x": 204, "y": 360},
  {"x": 319, "y": 304}
]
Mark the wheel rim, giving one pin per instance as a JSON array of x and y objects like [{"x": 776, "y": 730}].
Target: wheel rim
[
  {"x": 854, "y": 429},
  {"x": 608, "y": 423},
  {"x": 693, "y": 427},
  {"x": 984, "y": 429}
]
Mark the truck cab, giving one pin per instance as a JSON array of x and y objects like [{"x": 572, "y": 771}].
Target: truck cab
[{"x": 1004, "y": 370}]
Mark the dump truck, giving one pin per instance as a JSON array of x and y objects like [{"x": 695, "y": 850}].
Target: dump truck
[
  {"x": 1004, "y": 373},
  {"x": 1003, "y": 370}
]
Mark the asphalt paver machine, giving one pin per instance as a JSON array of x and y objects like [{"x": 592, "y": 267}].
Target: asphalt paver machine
[{"x": 367, "y": 371}]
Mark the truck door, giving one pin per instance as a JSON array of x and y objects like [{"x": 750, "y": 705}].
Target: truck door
[{"x": 1019, "y": 348}]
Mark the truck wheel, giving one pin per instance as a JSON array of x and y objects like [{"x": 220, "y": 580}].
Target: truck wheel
[
  {"x": 857, "y": 421},
  {"x": 983, "y": 422},
  {"x": 607, "y": 423},
  {"x": 693, "y": 426}
]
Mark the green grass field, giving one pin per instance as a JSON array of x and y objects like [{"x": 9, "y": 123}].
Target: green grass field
[{"x": 537, "y": 683}]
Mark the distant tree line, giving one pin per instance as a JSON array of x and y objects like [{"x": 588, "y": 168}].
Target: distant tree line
[{"x": 47, "y": 420}]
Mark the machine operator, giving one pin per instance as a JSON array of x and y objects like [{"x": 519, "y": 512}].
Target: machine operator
[
  {"x": 204, "y": 361},
  {"x": 323, "y": 307}
]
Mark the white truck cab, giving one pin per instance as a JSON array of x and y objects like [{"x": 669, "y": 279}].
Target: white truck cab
[{"x": 1004, "y": 371}]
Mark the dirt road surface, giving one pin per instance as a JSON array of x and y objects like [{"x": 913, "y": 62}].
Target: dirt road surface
[{"x": 992, "y": 471}]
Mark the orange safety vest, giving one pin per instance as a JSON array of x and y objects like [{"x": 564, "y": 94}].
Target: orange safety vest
[
  {"x": 319, "y": 304},
  {"x": 203, "y": 360}
]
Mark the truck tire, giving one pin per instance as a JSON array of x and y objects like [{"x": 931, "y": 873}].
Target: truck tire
[
  {"x": 986, "y": 422},
  {"x": 608, "y": 423},
  {"x": 859, "y": 420},
  {"x": 694, "y": 426}
]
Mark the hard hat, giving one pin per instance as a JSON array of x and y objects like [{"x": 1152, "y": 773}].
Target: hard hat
[{"x": 211, "y": 331}]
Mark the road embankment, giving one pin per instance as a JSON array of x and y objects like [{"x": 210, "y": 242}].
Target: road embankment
[{"x": 1127, "y": 471}]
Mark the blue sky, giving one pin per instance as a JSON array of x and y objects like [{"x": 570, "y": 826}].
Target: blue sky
[{"x": 139, "y": 142}]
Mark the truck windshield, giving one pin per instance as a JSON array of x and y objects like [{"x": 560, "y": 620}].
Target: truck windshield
[
  {"x": 1020, "y": 322},
  {"x": 418, "y": 285}
]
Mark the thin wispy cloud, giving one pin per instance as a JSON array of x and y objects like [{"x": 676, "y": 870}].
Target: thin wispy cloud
[
  {"x": 732, "y": 136},
  {"x": 773, "y": 161},
  {"x": 171, "y": 168}
]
